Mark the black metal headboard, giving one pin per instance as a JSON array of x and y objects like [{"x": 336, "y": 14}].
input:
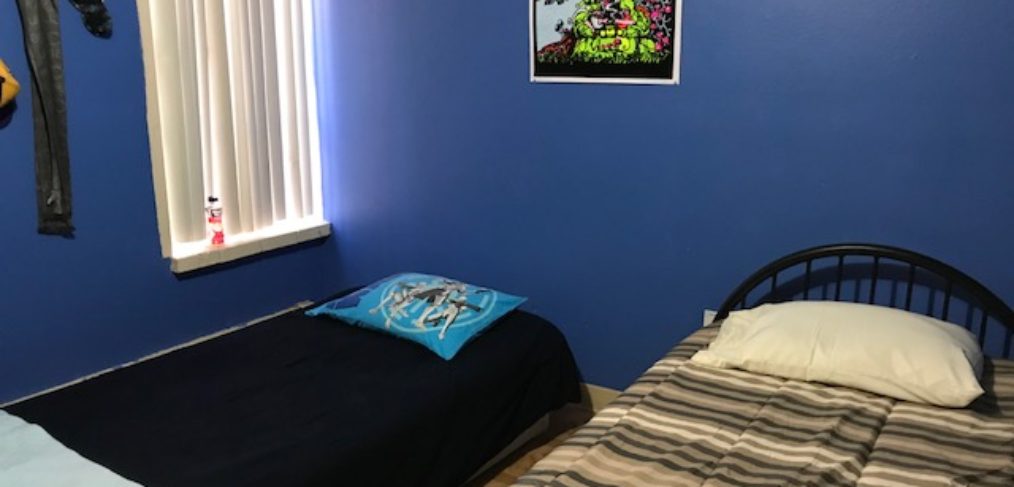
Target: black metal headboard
[{"x": 859, "y": 268}]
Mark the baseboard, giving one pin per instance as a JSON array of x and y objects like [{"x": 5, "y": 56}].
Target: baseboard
[
  {"x": 160, "y": 353},
  {"x": 596, "y": 397}
]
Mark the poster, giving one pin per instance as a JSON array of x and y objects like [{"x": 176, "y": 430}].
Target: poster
[{"x": 605, "y": 41}]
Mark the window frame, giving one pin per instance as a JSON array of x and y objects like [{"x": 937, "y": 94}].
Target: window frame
[{"x": 190, "y": 256}]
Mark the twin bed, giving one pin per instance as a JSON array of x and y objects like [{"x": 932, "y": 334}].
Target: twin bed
[
  {"x": 300, "y": 401},
  {"x": 682, "y": 423}
]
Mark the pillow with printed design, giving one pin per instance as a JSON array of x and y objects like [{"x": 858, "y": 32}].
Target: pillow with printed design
[{"x": 439, "y": 313}]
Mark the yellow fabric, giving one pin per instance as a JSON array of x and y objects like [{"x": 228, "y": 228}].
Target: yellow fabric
[{"x": 10, "y": 87}]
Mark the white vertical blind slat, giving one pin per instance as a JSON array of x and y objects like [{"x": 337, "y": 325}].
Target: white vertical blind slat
[
  {"x": 203, "y": 94},
  {"x": 238, "y": 74},
  {"x": 273, "y": 135},
  {"x": 173, "y": 122},
  {"x": 192, "y": 118},
  {"x": 260, "y": 173},
  {"x": 313, "y": 122},
  {"x": 287, "y": 101},
  {"x": 223, "y": 159},
  {"x": 301, "y": 112}
]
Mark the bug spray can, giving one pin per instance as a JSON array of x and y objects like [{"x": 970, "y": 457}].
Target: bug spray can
[{"x": 215, "y": 229}]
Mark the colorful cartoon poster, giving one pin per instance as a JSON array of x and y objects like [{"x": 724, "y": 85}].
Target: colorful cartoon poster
[{"x": 605, "y": 41}]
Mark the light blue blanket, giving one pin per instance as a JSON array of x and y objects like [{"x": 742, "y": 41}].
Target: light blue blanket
[{"x": 29, "y": 456}]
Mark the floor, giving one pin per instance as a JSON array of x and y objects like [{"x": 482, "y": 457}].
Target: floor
[{"x": 562, "y": 424}]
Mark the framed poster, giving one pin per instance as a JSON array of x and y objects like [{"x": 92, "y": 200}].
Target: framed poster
[{"x": 605, "y": 41}]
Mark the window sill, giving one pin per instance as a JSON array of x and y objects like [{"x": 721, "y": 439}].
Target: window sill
[{"x": 194, "y": 256}]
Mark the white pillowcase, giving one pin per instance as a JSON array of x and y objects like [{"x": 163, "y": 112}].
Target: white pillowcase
[{"x": 882, "y": 350}]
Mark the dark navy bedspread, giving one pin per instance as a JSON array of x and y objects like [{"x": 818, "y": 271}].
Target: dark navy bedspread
[{"x": 310, "y": 401}]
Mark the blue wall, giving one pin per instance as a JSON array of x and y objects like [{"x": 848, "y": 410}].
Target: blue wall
[
  {"x": 624, "y": 211},
  {"x": 71, "y": 307},
  {"x": 621, "y": 211}
]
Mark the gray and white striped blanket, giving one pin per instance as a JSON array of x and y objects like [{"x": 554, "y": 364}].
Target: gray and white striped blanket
[{"x": 684, "y": 424}]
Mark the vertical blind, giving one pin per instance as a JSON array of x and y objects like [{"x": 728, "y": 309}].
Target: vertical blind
[{"x": 232, "y": 102}]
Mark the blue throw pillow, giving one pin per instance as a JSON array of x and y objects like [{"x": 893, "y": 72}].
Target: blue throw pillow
[{"x": 439, "y": 313}]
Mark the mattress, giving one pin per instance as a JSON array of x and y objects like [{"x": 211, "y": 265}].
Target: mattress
[
  {"x": 309, "y": 401},
  {"x": 686, "y": 424}
]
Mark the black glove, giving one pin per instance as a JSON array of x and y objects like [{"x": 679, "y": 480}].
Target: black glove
[{"x": 96, "y": 17}]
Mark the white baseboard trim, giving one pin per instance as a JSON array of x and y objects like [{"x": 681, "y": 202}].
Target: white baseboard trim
[
  {"x": 597, "y": 397},
  {"x": 301, "y": 304}
]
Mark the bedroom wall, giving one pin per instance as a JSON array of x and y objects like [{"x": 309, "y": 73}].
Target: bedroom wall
[
  {"x": 71, "y": 307},
  {"x": 623, "y": 211}
]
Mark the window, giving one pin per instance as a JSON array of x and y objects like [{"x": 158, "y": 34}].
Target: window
[{"x": 232, "y": 113}]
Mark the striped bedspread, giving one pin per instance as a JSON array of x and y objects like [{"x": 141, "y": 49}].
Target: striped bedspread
[{"x": 684, "y": 424}]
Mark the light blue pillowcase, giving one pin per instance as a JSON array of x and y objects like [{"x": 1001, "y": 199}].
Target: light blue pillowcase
[{"x": 440, "y": 313}]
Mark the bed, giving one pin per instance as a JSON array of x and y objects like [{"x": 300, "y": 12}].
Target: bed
[
  {"x": 300, "y": 400},
  {"x": 682, "y": 423}
]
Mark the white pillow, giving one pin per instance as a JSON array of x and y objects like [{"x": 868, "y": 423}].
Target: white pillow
[{"x": 882, "y": 350}]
